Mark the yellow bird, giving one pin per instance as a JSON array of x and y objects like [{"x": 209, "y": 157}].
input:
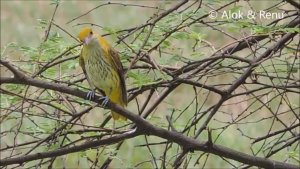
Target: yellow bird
[{"x": 103, "y": 69}]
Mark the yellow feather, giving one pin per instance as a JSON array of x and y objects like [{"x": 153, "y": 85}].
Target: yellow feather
[{"x": 103, "y": 68}]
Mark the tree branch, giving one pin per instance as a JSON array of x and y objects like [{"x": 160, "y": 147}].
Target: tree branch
[{"x": 143, "y": 127}]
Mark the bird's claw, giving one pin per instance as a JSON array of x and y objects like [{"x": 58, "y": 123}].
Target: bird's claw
[
  {"x": 105, "y": 101},
  {"x": 90, "y": 95}
]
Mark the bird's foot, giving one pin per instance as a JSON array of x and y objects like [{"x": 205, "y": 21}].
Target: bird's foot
[
  {"x": 105, "y": 101},
  {"x": 91, "y": 94}
]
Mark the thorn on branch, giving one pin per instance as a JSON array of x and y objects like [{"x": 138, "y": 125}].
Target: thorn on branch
[
  {"x": 209, "y": 143},
  {"x": 169, "y": 119}
]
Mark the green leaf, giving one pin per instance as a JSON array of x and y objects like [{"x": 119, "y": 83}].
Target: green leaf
[
  {"x": 293, "y": 68},
  {"x": 42, "y": 21},
  {"x": 55, "y": 2},
  {"x": 165, "y": 44},
  {"x": 235, "y": 9},
  {"x": 140, "y": 79},
  {"x": 181, "y": 35},
  {"x": 290, "y": 30},
  {"x": 168, "y": 60},
  {"x": 294, "y": 155},
  {"x": 111, "y": 31}
]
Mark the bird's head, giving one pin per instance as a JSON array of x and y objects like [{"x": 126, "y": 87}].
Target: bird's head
[{"x": 85, "y": 35}]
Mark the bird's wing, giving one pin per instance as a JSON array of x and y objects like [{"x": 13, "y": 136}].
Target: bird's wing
[
  {"x": 81, "y": 61},
  {"x": 115, "y": 60}
]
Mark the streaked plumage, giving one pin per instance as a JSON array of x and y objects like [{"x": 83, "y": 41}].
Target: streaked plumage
[{"x": 103, "y": 68}]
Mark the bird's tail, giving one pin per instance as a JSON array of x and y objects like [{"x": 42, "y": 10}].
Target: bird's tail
[
  {"x": 117, "y": 116},
  {"x": 117, "y": 98}
]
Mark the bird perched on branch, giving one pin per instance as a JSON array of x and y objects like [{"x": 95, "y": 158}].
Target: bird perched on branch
[{"x": 103, "y": 69}]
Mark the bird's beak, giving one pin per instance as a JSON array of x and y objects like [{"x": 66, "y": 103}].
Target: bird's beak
[{"x": 87, "y": 40}]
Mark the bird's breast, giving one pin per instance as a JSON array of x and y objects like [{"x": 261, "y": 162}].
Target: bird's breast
[{"x": 99, "y": 71}]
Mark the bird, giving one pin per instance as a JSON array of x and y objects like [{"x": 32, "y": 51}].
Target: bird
[{"x": 103, "y": 69}]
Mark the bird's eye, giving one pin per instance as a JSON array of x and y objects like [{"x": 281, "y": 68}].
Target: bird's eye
[{"x": 91, "y": 32}]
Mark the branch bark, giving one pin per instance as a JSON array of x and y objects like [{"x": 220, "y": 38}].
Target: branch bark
[{"x": 143, "y": 127}]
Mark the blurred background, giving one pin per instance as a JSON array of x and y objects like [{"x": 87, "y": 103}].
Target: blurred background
[{"x": 19, "y": 19}]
